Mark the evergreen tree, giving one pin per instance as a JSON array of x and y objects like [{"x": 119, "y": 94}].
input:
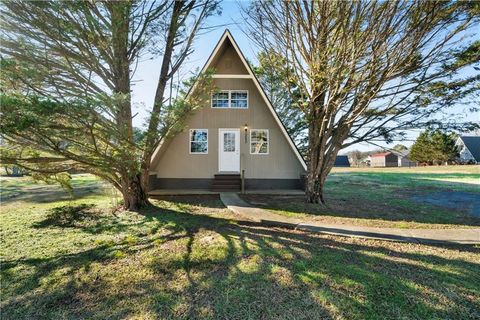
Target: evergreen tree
[
  {"x": 444, "y": 147},
  {"x": 434, "y": 147},
  {"x": 422, "y": 148}
]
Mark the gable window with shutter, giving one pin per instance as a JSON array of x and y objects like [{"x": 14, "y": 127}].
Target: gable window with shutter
[{"x": 259, "y": 141}]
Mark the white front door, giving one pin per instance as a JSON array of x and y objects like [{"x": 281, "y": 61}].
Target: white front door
[{"x": 229, "y": 150}]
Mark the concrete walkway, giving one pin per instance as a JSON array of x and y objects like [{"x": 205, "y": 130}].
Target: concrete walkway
[{"x": 463, "y": 236}]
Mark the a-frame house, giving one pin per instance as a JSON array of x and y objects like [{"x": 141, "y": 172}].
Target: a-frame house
[{"x": 237, "y": 132}]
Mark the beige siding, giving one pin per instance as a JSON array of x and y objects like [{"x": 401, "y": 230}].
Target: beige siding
[
  {"x": 227, "y": 61},
  {"x": 175, "y": 161}
]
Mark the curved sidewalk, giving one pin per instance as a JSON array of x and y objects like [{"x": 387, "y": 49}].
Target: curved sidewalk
[{"x": 460, "y": 236}]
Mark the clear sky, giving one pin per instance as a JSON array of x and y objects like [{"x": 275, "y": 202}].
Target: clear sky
[{"x": 147, "y": 73}]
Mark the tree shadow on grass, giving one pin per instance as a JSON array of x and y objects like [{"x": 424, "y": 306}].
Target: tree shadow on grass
[
  {"x": 199, "y": 266},
  {"x": 69, "y": 216},
  {"x": 42, "y": 193},
  {"x": 85, "y": 217}
]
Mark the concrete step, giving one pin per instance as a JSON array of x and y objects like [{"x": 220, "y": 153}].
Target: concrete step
[
  {"x": 225, "y": 181},
  {"x": 221, "y": 185},
  {"x": 222, "y": 176}
]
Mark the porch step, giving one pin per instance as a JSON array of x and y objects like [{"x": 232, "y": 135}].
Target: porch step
[
  {"x": 226, "y": 185},
  {"x": 226, "y": 182},
  {"x": 226, "y": 176}
]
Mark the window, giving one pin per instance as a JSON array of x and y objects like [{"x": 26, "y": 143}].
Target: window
[
  {"x": 220, "y": 99},
  {"x": 239, "y": 99},
  {"x": 236, "y": 99},
  {"x": 228, "y": 142},
  {"x": 199, "y": 141},
  {"x": 259, "y": 142}
]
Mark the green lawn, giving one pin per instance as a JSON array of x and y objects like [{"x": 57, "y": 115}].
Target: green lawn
[
  {"x": 389, "y": 197},
  {"x": 25, "y": 189},
  {"x": 187, "y": 258}
]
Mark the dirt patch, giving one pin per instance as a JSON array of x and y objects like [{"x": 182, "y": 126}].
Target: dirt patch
[{"x": 465, "y": 201}]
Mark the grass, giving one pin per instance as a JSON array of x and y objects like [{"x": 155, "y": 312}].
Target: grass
[
  {"x": 187, "y": 258},
  {"x": 26, "y": 189},
  {"x": 388, "y": 197}
]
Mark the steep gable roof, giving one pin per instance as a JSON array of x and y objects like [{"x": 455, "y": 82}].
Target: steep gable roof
[
  {"x": 473, "y": 145},
  {"x": 225, "y": 41}
]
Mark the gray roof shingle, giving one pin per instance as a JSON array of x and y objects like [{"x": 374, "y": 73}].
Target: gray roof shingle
[
  {"x": 342, "y": 161},
  {"x": 473, "y": 145}
]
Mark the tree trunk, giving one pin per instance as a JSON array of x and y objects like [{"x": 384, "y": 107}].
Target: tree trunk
[
  {"x": 323, "y": 152},
  {"x": 134, "y": 192},
  {"x": 314, "y": 190}
]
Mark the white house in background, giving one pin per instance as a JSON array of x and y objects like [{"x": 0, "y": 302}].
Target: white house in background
[{"x": 469, "y": 149}]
